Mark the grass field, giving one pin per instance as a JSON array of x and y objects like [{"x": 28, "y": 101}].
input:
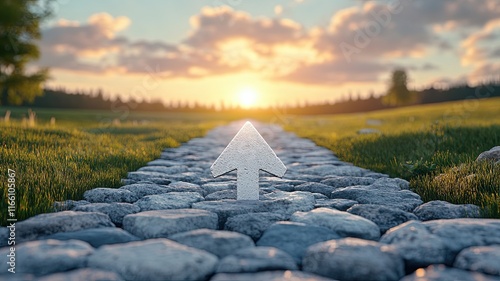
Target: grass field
[
  {"x": 432, "y": 146},
  {"x": 84, "y": 150}
]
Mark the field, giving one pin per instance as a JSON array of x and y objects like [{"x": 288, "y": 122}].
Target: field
[{"x": 432, "y": 146}]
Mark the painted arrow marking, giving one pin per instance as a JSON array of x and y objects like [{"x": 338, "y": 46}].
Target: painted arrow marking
[{"x": 248, "y": 153}]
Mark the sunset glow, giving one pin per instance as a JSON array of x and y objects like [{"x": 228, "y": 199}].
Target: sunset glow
[{"x": 248, "y": 98}]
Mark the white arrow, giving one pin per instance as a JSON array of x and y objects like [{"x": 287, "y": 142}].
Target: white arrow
[{"x": 248, "y": 153}]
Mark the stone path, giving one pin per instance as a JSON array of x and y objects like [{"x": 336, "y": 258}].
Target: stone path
[{"x": 325, "y": 220}]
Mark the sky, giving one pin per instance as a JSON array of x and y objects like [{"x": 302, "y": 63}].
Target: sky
[{"x": 263, "y": 52}]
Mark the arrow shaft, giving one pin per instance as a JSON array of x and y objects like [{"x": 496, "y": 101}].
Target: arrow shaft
[{"x": 247, "y": 184}]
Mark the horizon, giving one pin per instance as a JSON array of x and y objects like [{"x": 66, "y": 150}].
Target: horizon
[{"x": 262, "y": 54}]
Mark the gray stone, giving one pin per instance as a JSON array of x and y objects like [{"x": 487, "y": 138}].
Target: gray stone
[
  {"x": 218, "y": 242},
  {"x": 319, "y": 196},
  {"x": 46, "y": 224},
  {"x": 353, "y": 259},
  {"x": 315, "y": 187},
  {"x": 480, "y": 259},
  {"x": 490, "y": 155},
  {"x": 333, "y": 170},
  {"x": 47, "y": 256},
  {"x": 165, "y": 170},
  {"x": 142, "y": 189},
  {"x": 217, "y": 186},
  {"x": 435, "y": 210},
  {"x": 253, "y": 224},
  {"x": 155, "y": 259},
  {"x": 87, "y": 274},
  {"x": 294, "y": 238},
  {"x": 96, "y": 236},
  {"x": 180, "y": 186},
  {"x": 163, "y": 162},
  {"x": 163, "y": 223},
  {"x": 165, "y": 201},
  {"x": 220, "y": 195},
  {"x": 4, "y": 236},
  {"x": 403, "y": 199},
  {"x": 256, "y": 259},
  {"x": 339, "y": 204},
  {"x": 288, "y": 202},
  {"x": 391, "y": 183},
  {"x": 149, "y": 176},
  {"x": 339, "y": 182},
  {"x": 269, "y": 276},
  {"x": 228, "y": 208},
  {"x": 109, "y": 195},
  {"x": 443, "y": 273},
  {"x": 115, "y": 211},
  {"x": 384, "y": 217},
  {"x": 343, "y": 223},
  {"x": 68, "y": 205}
]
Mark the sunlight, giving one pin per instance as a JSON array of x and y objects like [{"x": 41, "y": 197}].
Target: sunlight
[{"x": 248, "y": 97}]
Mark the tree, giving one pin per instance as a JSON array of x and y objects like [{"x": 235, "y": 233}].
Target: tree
[
  {"x": 19, "y": 29},
  {"x": 398, "y": 93}
]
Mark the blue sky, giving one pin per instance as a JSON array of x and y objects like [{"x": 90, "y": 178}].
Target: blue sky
[{"x": 284, "y": 51}]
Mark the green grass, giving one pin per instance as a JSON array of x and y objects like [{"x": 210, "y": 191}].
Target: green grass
[
  {"x": 83, "y": 151},
  {"x": 423, "y": 144}
]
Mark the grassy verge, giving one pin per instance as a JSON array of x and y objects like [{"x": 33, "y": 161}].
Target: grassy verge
[
  {"x": 83, "y": 151},
  {"x": 433, "y": 146}
]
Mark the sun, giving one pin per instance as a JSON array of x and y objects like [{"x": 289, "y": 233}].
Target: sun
[{"x": 248, "y": 97}]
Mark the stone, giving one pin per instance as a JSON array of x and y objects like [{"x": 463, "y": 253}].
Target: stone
[
  {"x": 403, "y": 199},
  {"x": 149, "y": 176},
  {"x": 256, "y": 259},
  {"x": 339, "y": 182},
  {"x": 218, "y": 242},
  {"x": 115, "y": 211},
  {"x": 142, "y": 189},
  {"x": 434, "y": 210},
  {"x": 4, "y": 236},
  {"x": 385, "y": 217},
  {"x": 220, "y": 195},
  {"x": 342, "y": 223},
  {"x": 179, "y": 169},
  {"x": 109, "y": 195},
  {"x": 155, "y": 259},
  {"x": 96, "y": 237},
  {"x": 46, "y": 224},
  {"x": 443, "y": 273},
  {"x": 294, "y": 238},
  {"x": 163, "y": 223},
  {"x": 315, "y": 187},
  {"x": 68, "y": 205},
  {"x": 333, "y": 170},
  {"x": 165, "y": 201},
  {"x": 339, "y": 204},
  {"x": 480, "y": 259},
  {"x": 288, "y": 202},
  {"x": 269, "y": 276},
  {"x": 180, "y": 186},
  {"x": 48, "y": 256},
  {"x": 87, "y": 274},
  {"x": 228, "y": 208},
  {"x": 353, "y": 259},
  {"x": 492, "y": 155},
  {"x": 163, "y": 162},
  {"x": 253, "y": 224},
  {"x": 209, "y": 188}
]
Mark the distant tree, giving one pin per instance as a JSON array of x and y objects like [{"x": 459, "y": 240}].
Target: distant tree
[
  {"x": 19, "y": 29},
  {"x": 398, "y": 93}
]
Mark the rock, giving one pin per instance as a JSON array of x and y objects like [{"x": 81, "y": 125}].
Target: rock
[
  {"x": 149, "y": 176},
  {"x": 48, "y": 256},
  {"x": 109, "y": 195},
  {"x": 294, "y": 238},
  {"x": 209, "y": 188},
  {"x": 228, "y": 208},
  {"x": 480, "y": 259},
  {"x": 163, "y": 223},
  {"x": 4, "y": 236},
  {"x": 155, "y": 259},
  {"x": 68, "y": 205},
  {"x": 223, "y": 194},
  {"x": 415, "y": 244},
  {"x": 46, "y": 224},
  {"x": 435, "y": 210},
  {"x": 162, "y": 162},
  {"x": 339, "y": 182},
  {"x": 181, "y": 186},
  {"x": 256, "y": 259},
  {"x": 179, "y": 169},
  {"x": 315, "y": 187},
  {"x": 269, "y": 276},
  {"x": 142, "y": 189},
  {"x": 165, "y": 201},
  {"x": 443, "y": 273},
  {"x": 319, "y": 196},
  {"x": 253, "y": 224},
  {"x": 336, "y": 259},
  {"x": 288, "y": 202},
  {"x": 218, "y": 242},
  {"x": 403, "y": 199},
  {"x": 343, "y": 223},
  {"x": 115, "y": 211},
  {"x": 87, "y": 274},
  {"x": 391, "y": 184},
  {"x": 333, "y": 170},
  {"x": 339, "y": 204},
  {"x": 490, "y": 155},
  {"x": 96, "y": 236},
  {"x": 384, "y": 217}
]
